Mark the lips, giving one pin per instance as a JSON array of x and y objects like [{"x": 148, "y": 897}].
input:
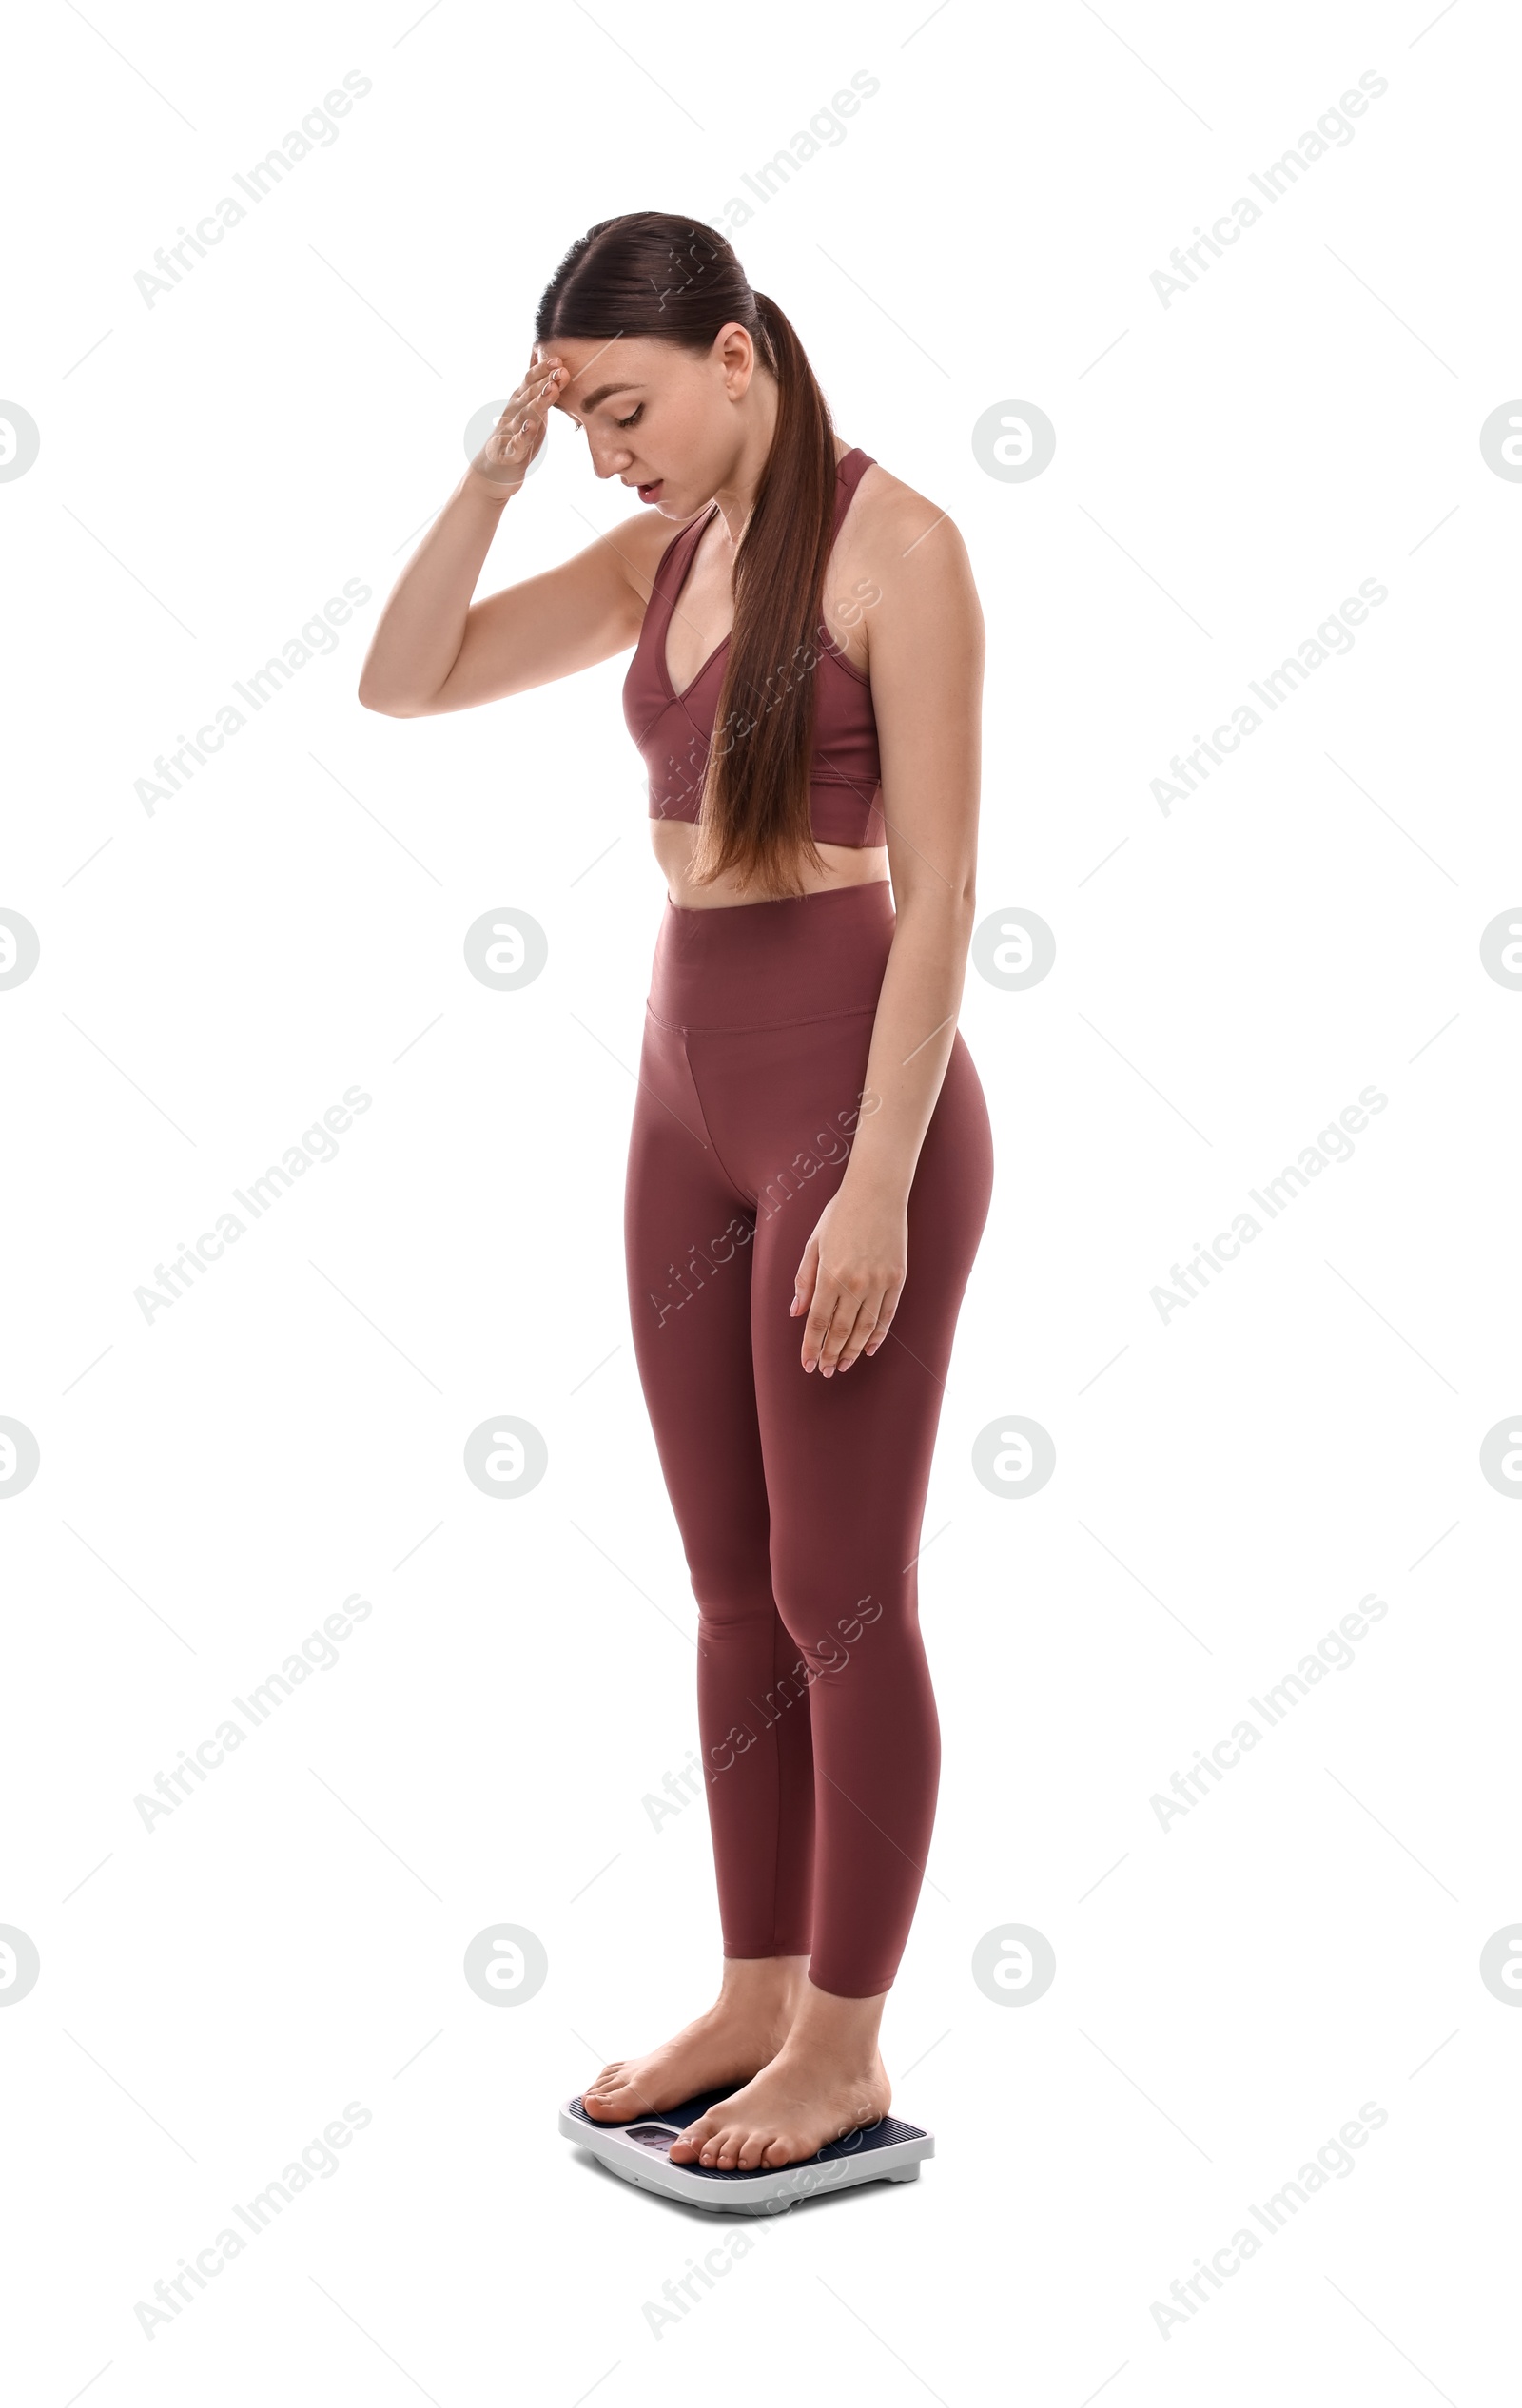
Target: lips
[{"x": 651, "y": 493}]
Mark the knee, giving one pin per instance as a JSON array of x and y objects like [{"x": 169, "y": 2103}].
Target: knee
[
  {"x": 732, "y": 1586},
  {"x": 828, "y": 1621}
]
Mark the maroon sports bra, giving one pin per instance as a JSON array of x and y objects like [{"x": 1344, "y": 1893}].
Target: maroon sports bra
[{"x": 673, "y": 731}]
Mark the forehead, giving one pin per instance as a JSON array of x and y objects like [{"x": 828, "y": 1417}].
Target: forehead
[{"x": 600, "y": 367}]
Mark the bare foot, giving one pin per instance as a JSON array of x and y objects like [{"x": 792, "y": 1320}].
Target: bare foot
[
  {"x": 740, "y": 2032},
  {"x": 803, "y": 2099}
]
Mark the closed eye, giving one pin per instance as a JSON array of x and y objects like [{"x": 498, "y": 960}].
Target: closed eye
[{"x": 633, "y": 417}]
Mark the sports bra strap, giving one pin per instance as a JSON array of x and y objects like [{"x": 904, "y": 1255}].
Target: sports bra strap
[
  {"x": 849, "y": 469},
  {"x": 673, "y": 564},
  {"x": 671, "y": 572}
]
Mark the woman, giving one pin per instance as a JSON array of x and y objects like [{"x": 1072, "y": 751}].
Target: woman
[{"x": 810, "y": 1164}]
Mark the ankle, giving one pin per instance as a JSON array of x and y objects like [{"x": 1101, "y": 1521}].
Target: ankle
[
  {"x": 825, "y": 2052},
  {"x": 765, "y": 1990},
  {"x": 839, "y": 2034}
]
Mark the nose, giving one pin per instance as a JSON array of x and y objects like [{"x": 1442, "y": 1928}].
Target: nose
[{"x": 610, "y": 459}]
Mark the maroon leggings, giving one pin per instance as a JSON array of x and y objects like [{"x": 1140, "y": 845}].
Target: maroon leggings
[{"x": 799, "y": 1498}]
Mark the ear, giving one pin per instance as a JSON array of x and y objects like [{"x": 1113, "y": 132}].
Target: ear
[{"x": 736, "y": 357}]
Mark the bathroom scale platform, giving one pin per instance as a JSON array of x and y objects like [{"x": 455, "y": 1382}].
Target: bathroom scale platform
[{"x": 888, "y": 2151}]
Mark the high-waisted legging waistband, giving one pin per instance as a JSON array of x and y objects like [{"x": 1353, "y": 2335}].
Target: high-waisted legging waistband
[{"x": 763, "y": 964}]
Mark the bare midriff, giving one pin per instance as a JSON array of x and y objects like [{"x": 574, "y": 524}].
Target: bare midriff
[{"x": 844, "y": 866}]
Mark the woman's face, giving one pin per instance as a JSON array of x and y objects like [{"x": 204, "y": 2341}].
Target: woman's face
[{"x": 660, "y": 419}]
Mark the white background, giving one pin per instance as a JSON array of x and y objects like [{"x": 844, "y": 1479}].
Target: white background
[{"x": 1228, "y": 977}]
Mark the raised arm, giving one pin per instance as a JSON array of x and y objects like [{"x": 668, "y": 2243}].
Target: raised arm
[{"x": 435, "y": 649}]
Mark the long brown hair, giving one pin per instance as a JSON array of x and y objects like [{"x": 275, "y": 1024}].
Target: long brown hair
[{"x": 678, "y": 280}]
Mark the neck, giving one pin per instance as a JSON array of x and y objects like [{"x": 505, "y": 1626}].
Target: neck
[{"x": 737, "y": 495}]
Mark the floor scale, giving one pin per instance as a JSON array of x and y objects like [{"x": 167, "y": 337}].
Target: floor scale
[{"x": 888, "y": 2151}]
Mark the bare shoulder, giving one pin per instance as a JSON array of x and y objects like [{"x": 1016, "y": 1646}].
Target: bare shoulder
[
  {"x": 890, "y": 523},
  {"x": 910, "y": 600}
]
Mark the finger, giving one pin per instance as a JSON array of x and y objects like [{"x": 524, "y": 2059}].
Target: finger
[
  {"x": 834, "y": 1315},
  {"x": 536, "y": 393},
  {"x": 534, "y": 401},
  {"x": 862, "y": 1329},
  {"x": 808, "y": 1272},
  {"x": 521, "y": 424},
  {"x": 884, "y": 1316},
  {"x": 510, "y": 424},
  {"x": 821, "y": 1313},
  {"x": 842, "y": 1323}
]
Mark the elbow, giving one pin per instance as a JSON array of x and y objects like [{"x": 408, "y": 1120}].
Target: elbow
[{"x": 944, "y": 900}]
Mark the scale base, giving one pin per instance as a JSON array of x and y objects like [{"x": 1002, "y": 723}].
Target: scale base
[{"x": 888, "y": 2151}]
